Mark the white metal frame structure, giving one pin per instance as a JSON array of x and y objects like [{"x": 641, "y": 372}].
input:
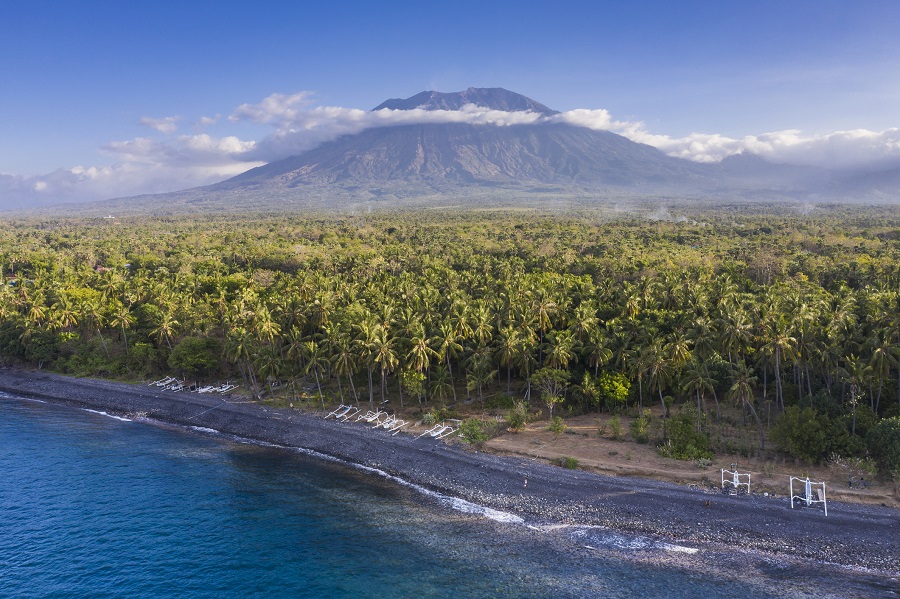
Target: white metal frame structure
[
  {"x": 735, "y": 480},
  {"x": 807, "y": 488}
]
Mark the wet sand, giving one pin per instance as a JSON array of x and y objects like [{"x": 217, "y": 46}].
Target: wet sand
[{"x": 851, "y": 535}]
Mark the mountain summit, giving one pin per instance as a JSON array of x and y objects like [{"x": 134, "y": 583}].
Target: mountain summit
[{"x": 494, "y": 98}]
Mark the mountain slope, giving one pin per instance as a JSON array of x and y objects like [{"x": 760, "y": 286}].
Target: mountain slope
[{"x": 471, "y": 154}]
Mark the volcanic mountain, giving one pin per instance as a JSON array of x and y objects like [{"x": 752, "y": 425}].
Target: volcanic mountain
[
  {"x": 449, "y": 161},
  {"x": 441, "y": 156}
]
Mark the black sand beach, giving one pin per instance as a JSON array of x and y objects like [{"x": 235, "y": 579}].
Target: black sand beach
[{"x": 851, "y": 535}]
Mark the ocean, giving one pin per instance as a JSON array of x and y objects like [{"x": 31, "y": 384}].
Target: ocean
[{"x": 96, "y": 506}]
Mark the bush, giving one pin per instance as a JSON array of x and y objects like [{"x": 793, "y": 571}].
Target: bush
[
  {"x": 517, "y": 417},
  {"x": 471, "y": 430},
  {"x": 614, "y": 389},
  {"x": 640, "y": 427},
  {"x": 557, "y": 425},
  {"x": 196, "y": 355},
  {"x": 684, "y": 440},
  {"x": 884, "y": 444},
  {"x": 810, "y": 436},
  {"x": 615, "y": 427},
  {"x": 565, "y": 462}
]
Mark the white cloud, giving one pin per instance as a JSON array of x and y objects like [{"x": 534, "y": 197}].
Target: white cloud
[
  {"x": 183, "y": 151},
  {"x": 277, "y": 108},
  {"x": 583, "y": 117},
  {"x": 168, "y": 124},
  {"x": 839, "y": 150},
  {"x": 300, "y": 127},
  {"x": 142, "y": 165}
]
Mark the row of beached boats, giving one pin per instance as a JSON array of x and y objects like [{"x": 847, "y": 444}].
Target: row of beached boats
[
  {"x": 170, "y": 383},
  {"x": 383, "y": 419}
]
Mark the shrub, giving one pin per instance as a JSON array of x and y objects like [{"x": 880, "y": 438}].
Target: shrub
[
  {"x": 565, "y": 462},
  {"x": 517, "y": 417},
  {"x": 884, "y": 444},
  {"x": 557, "y": 425},
  {"x": 704, "y": 463},
  {"x": 685, "y": 438},
  {"x": 614, "y": 389},
  {"x": 196, "y": 355},
  {"x": 471, "y": 430},
  {"x": 615, "y": 427},
  {"x": 640, "y": 427},
  {"x": 811, "y": 436}
]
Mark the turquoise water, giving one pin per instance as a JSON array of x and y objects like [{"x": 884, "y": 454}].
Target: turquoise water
[{"x": 92, "y": 506}]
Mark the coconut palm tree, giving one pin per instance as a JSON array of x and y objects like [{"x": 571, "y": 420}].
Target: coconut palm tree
[
  {"x": 448, "y": 347},
  {"x": 696, "y": 380},
  {"x": 509, "y": 346},
  {"x": 742, "y": 392}
]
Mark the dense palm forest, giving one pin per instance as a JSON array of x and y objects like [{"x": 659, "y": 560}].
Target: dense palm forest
[{"x": 794, "y": 318}]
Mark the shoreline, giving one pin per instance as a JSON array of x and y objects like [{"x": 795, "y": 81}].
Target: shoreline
[{"x": 852, "y": 535}]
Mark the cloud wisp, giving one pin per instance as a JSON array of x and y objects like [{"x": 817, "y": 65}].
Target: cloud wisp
[
  {"x": 168, "y": 161},
  {"x": 168, "y": 124}
]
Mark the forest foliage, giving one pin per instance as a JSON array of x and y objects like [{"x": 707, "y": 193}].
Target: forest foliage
[{"x": 792, "y": 317}]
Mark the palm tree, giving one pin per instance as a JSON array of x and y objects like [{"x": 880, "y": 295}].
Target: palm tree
[
  {"x": 527, "y": 361},
  {"x": 420, "y": 353},
  {"x": 385, "y": 357},
  {"x": 783, "y": 345},
  {"x": 93, "y": 314},
  {"x": 585, "y": 321},
  {"x": 483, "y": 330},
  {"x": 447, "y": 342},
  {"x": 64, "y": 314},
  {"x": 854, "y": 373},
  {"x": 314, "y": 360},
  {"x": 240, "y": 347},
  {"x": 440, "y": 383},
  {"x": 637, "y": 363},
  {"x": 882, "y": 360},
  {"x": 742, "y": 391},
  {"x": 122, "y": 318},
  {"x": 561, "y": 350},
  {"x": 265, "y": 326},
  {"x": 366, "y": 343},
  {"x": 479, "y": 371},
  {"x": 166, "y": 327},
  {"x": 660, "y": 368},
  {"x": 696, "y": 380},
  {"x": 736, "y": 333},
  {"x": 544, "y": 308},
  {"x": 509, "y": 348},
  {"x": 267, "y": 362},
  {"x": 343, "y": 359},
  {"x": 597, "y": 352}
]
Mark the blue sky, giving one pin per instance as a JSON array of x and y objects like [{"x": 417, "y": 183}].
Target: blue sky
[{"x": 90, "y": 84}]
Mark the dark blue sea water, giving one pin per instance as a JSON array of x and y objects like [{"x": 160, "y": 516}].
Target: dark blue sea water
[{"x": 92, "y": 506}]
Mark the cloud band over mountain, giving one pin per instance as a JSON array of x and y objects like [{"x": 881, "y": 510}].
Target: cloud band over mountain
[{"x": 168, "y": 160}]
